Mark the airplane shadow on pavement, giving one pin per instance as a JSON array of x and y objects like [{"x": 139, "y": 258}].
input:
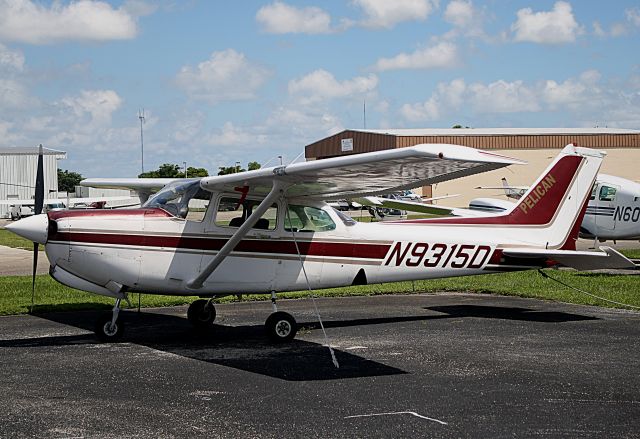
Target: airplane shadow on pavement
[
  {"x": 240, "y": 347},
  {"x": 247, "y": 348}
]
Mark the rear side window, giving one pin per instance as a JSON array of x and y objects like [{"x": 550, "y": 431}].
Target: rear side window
[{"x": 307, "y": 219}]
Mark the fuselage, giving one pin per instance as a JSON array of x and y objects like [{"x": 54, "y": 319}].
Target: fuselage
[{"x": 149, "y": 250}]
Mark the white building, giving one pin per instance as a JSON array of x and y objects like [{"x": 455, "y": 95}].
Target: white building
[{"x": 18, "y": 167}]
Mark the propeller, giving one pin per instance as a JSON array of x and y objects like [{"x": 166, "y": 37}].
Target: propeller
[{"x": 39, "y": 203}]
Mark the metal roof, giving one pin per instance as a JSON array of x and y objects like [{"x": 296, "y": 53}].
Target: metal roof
[
  {"x": 30, "y": 150},
  {"x": 497, "y": 131}
]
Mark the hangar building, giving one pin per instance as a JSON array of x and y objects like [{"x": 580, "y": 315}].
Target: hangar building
[
  {"x": 18, "y": 167},
  {"x": 537, "y": 146}
]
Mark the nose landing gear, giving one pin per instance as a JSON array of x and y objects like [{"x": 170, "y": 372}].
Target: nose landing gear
[{"x": 108, "y": 329}]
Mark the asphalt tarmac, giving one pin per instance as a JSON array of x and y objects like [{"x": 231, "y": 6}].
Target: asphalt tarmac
[{"x": 445, "y": 365}]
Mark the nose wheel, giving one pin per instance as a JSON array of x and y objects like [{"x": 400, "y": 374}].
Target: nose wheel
[{"x": 108, "y": 329}]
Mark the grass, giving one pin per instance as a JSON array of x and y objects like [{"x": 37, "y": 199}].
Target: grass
[
  {"x": 15, "y": 291},
  {"x": 9, "y": 239}
]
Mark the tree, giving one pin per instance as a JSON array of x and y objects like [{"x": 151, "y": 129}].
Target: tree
[
  {"x": 169, "y": 170},
  {"x": 196, "y": 172},
  {"x": 67, "y": 181},
  {"x": 251, "y": 166}
]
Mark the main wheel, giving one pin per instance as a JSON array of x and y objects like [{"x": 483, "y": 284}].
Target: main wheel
[
  {"x": 201, "y": 314},
  {"x": 107, "y": 332},
  {"x": 281, "y": 327}
]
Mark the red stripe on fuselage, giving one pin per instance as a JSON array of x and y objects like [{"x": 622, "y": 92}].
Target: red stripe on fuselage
[
  {"x": 307, "y": 248},
  {"x": 108, "y": 213}
]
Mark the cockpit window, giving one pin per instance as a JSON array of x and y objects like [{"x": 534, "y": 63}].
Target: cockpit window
[
  {"x": 607, "y": 193},
  {"x": 182, "y": 199},
  {"x": 307, "y": 219}
]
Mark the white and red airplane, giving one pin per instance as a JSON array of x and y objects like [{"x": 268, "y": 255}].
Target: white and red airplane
[{"x": 270, "y": 230}]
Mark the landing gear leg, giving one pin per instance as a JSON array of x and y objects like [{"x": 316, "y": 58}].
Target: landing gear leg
[
  {"x": 107, "y": 327},
  {"x": 280, "y": 326}
]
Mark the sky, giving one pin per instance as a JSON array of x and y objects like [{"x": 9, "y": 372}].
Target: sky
[{"x": 223, "y": 82}]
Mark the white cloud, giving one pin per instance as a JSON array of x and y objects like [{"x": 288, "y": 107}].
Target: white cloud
[
  {"x": 447, "y": 96},
  {"x": 503, "y": 97},
  {"x": 281, "y": 18},
  {"x": 633, "y": 16},
  {"x": 580, "y": 101},
  {"x": 14, "y": 95},
  {"x": 321, "y": 85},
  {"x": 442, "y": 55},
  {"x": 98, "y": 105},
  {"x": 11, "y": 60},
  {"x": 465, "y": 18},
  {"x": 386, "y": 14},
  {"x": 230, "y": 135},
  {"x": 28, "y": 22},
  {"x": 225, "y": 76},
  {"x": 553, "y": 27},
  {"x": 598, "y": 30}
]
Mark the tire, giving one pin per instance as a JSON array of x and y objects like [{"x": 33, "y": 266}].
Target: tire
[
  {"x": 201, "y": 314},
  {"x": 105, "y": 332},
  {"x": 281, "y": 327}
]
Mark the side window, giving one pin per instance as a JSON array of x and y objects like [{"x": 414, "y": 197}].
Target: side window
[
  {"x": 594, "y": 191},
  {"x": 307, "y": 219},
  {"x": 233, "y": 213},
  {"x": 607, "y": 193}
]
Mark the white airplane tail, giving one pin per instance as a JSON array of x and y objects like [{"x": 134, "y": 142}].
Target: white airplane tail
[
  {"x": 550, "y": 213},
  {"x": 555, "y": 204}
]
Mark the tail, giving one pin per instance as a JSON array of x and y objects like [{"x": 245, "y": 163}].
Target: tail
[
  {"x": 557, "y": 201},
  {"x": 549, "y": 214}
]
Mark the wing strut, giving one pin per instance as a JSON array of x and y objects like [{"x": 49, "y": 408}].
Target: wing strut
[{"x": 276, "y": 191}]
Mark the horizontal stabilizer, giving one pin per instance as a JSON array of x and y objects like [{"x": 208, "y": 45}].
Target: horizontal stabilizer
[{"x": 608, "y": 258}]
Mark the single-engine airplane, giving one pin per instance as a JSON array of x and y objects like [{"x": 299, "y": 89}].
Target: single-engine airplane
[
  {"x": 270, "y": 230},
  {"x": 613, "y": 212}
]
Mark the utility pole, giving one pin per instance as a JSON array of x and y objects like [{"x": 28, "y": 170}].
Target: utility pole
[
  {"x": 142, "y": 120},
  {"x": 364, "y": 113},
  {"x": 185, "y": 169}
]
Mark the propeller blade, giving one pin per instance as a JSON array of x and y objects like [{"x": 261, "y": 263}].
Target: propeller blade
[
  {"x": 33, "y": 277},
  {"x": 39, "y": 198},
  {"x": 39, "y": 203}
]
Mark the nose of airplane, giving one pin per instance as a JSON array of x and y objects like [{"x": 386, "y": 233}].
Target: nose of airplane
[{"x": 34, "y": 228}]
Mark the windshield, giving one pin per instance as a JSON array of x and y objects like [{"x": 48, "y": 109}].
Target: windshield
[{"x": 179, "y": 197}]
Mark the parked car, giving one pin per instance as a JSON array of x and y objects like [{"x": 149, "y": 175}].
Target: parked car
[{"x": 17, "y": 211}]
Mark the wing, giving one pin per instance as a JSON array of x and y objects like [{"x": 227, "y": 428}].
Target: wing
[
  {"x": 366, "y": 174},
  {"x": 143, "y": 184}
]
